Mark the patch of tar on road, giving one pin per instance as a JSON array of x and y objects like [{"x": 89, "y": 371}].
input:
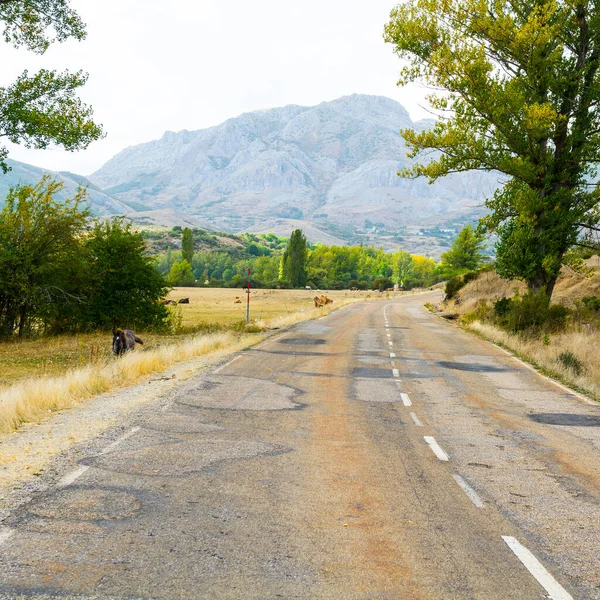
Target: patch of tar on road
[
  {"x": 228, "y": 392},
  {"x": 566, "y": 419},
  {"x": 371, "y": 373},
  {"x": 184, "y": 458},
  {"x": 474, "y": 367},
  {"x": 178, "y": 423},
  {"x": 305, "y": 341}
]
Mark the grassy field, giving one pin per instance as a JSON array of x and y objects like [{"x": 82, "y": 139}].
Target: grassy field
[
  {"x": 212, "y": 308},
  {"x": 218, "y": 305}
]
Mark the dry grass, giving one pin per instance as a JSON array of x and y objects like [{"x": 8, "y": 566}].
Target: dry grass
[
  {"x": 214, "y": 305},
  {"x": 582, "y": 344},
  {"x": 580, "y": 341},
  {"x": 36, "y": 398}
]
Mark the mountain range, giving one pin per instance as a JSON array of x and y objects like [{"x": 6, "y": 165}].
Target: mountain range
[{"x": 330, "y": 169}]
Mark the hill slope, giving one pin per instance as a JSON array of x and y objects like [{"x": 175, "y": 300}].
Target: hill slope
[{"x": 101, "y": 203}]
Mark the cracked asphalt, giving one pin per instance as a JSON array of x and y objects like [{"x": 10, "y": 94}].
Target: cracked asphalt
[{"x": 376, "y": 453}]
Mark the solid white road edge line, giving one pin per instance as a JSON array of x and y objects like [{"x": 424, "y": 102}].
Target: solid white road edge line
[
  {"x": 405, "y": 399},
  {"x": 436, "y": 448},
  {"x": 535, "y": 567},
  {"x": 119, "y": 440},
  {"x": 69, "y": 478},
  {"x": 469, "y": 491},
  {"x": 395, "y": 373},
  {"x": 416, "y": 419},
  {"x": 5, "y": 533}
]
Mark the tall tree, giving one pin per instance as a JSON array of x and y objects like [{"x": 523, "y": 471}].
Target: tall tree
[
  {"x": 403, "y": 266},
  {"x": 41, "y": 109},
  {"x": 187, "y": 245},
  {"x": 124, "y": 288},
  {"x": 520, "y": 95},
  {"x": 466, "y": 253},
  {"x": 40, "y": 242},
  {"x": 294, "y": 260}
]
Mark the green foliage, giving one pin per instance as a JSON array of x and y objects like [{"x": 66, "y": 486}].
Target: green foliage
[
  {"x": 592, "y": 303},
  {"x": 187, "y": 245},
  {"x": 466, "y": 252},
  {"x": 530, "y": 313},
  {"x": 571, "y": 362},
  {"x": 123, "y": 289},
  {"x": 520, "y": 83},
  {"x": 39, "y": 246},
  {"x": 181, "y": 273},
  {"x": 294, "y": 260},
  {"x": 42, "y": 109},
  {"x": 58, "y": 275}
]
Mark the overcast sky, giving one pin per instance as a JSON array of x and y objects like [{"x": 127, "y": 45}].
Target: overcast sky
[{"x": 156, "y": 66}]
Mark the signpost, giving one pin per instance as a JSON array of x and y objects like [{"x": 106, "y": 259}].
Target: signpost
[{"x": 248, "y": 302}]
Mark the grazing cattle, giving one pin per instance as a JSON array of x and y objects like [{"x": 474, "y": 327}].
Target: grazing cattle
[
  {"x": 321, "y": 301},
  {"x": 169, "y": 302},
  {"x": 124, "y": 340},
  {"x": 184, "y": 301},
  {"x": 237, "y": 300}
]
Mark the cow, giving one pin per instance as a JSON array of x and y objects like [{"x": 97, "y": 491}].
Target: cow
[
  {"x": 321, "y": 301},
  {"x": 184, "y": 301},
  {"x": 124, "y": 340},
  {"x": 237, "y": 300},
  {"x": 169, "y": 302}
]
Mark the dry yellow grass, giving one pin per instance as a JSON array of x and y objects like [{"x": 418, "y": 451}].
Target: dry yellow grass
[
  {"x": 213, "y": 305},
  {"x": 34, "y": 399},
  {"x": 582, "y": 342}
]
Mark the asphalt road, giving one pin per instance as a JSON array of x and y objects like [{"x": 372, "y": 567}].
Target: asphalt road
[{"x": 377, "y": 453}]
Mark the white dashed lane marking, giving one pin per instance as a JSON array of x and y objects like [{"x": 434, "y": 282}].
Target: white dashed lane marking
[
  {"x": 392, "y": 355},
  {"x": 535, "y": 567},
  {"x": 405, "y": 399},
  {"x": 436, "y": 448},
  {"x": 469, "y": 491},
  {"x": 5, "y": 533},
  {"x": 390, "y": 343},
  {"x": 395, "y": 373},
  {"x": 69, "y": 478},
  {"x": 416, "y": 419},
  {"x": 121, "y": 439}
]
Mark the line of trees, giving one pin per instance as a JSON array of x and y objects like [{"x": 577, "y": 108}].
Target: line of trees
[
  {"x": 321, "y": 266},
  {"x": 61, "y": 272}
]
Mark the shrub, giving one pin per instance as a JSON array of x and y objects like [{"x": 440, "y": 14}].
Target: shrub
[
  {"x": 530, "y": 313},
  {"x": 502, "y": 306},
  {"x": 571, "y": 362},
  {"x": 592, "y": 303},
  {"x": 483, "y": 312},
  {"x": 453, "y": 286}
]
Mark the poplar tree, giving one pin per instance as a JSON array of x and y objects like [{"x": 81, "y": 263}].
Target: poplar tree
[
  {"x": 519, "y": 94},
  {"x": 294, "y": 260},
  {"x": 187, "y": 245}
]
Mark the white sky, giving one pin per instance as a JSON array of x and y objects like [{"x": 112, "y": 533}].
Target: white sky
[{"x": 156, "y": 65}]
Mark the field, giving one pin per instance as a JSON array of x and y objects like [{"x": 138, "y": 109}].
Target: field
[
  {"x": 212, "y": 308},
  {"x": 217, "y": 305}
]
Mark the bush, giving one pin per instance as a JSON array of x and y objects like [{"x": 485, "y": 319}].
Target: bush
[
  {"x": 483, "y": 312},
  {"x": 571, "y": 362},
  {"x": 592, "y": 303},
  {"x": 502, "y": 307},
  {"x": 530, "y": 313},
  {"x": 453, "y": 286}
]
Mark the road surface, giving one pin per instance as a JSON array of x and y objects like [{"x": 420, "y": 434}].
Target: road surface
[{"x": 376, "y": 453}]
